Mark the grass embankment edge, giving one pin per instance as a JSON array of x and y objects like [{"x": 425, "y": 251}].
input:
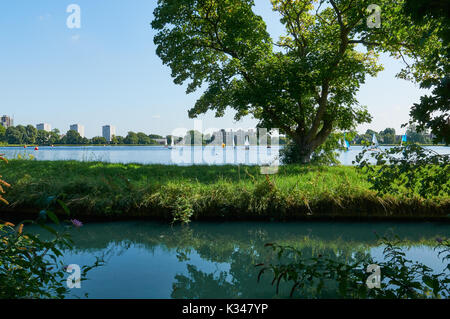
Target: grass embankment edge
[{"x": 103, "y": 191}]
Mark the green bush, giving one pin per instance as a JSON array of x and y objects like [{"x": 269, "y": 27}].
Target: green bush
[
  {"x": 31, "y": 267},
  {"x": 408, "y": 170}
]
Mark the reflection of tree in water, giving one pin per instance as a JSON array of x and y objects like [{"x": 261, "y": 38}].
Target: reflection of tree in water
[
  {"x": 241, "y": 281},
  {"x": 201, "y": 285}
]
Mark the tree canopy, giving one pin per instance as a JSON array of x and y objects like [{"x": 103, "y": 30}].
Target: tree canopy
[
  {"x": 305, "y": 83},
  {"x": 433, "y": 111}
]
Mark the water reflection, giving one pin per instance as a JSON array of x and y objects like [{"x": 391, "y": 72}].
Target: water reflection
[
  {"x": 180, "y": 155},
  {"x": 217, "y": 260}
]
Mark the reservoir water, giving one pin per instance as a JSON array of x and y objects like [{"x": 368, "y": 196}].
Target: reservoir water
[
  {"x": 180, "y": 155},
  {"x": 217, "y": 260}
]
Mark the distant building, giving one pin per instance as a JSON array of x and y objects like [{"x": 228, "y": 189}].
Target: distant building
[
  {"x": 44, "y": 127},
  {"x": 78, "y": 128},
  {"x": 108, "y": 131},
  {"x": 6, "y": 121}
]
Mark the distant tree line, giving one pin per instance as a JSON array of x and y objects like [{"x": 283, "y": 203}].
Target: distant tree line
[
  {"x": 30, "y": 135},
  {"x": 389, "y": 136}
]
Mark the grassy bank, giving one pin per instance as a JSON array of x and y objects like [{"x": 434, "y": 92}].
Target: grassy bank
[{"x": 101, "y": 190}]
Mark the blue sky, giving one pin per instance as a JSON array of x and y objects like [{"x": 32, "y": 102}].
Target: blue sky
[{"x": 107, "y": 72}]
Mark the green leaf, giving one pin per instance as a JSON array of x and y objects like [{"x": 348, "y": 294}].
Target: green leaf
[
  {"x": 64, "y": 207},
  {"x": 53, "y": 217}
]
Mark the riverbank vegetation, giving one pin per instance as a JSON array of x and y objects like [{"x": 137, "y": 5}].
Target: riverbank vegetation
[
  {"x": 103, "y": 190},
  {"x": 29, "y": 135}
]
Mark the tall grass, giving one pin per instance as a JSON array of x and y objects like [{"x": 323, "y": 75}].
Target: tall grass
[{"x": 103, "y": 190}]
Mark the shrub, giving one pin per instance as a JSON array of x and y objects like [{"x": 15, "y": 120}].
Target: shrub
[
  {"x": 31, "y": 267},
  {"x": 407, "y": 170}
]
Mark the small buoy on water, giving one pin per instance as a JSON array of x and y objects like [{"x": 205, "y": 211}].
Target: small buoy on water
[
  {"x": 223, "y": 145},
  {"x": 36, "y": 148},
  {"x": 24, "y": 146}
]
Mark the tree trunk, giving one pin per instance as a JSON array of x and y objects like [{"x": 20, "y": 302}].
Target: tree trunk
[{"x": 304, "y": 149}]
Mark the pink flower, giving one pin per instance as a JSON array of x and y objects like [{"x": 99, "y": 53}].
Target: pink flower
[{"x": 76, "y": 223}]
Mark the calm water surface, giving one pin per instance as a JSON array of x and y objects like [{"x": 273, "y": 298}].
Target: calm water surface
[
  {"x": 216, "y": 260},
  {"x": 180, "y": 155}
]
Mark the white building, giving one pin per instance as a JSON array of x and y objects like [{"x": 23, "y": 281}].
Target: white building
[
  {"x": 7, "y": 121},
  {"x": 78, "y": 128},
  {"x": 44, "y": 127},
  {"x": 108, "y": 132}
]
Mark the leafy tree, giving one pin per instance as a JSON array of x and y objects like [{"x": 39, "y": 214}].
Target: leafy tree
[
  {"x": 155, "y": 136},
  {"x": 326, "y": 153},
  {"x": 433, "y": 111},
  {"x": 118, "y": 140},
  {"x": 306, "y": 87},
  {"x": 54, "y": 137},
  {"x": 114, "y": 140},
  {"x": 98, "y": 140},
  {"x": 42, "y": 137},
  {"x": 169, "y": 139},
  {"x": 73, "y": 137},
  {"x": 416, "y": 137},
  {"x": 367, "y": 137},
  {"x": 2, "y": 133},
  {"x": 30, "y": 133},
  {"x": 143, "y": 138},
  {"x": 14, "y": 135},
  {"x": 388, "y": 136},
  {"x": 131, "y": 138}
]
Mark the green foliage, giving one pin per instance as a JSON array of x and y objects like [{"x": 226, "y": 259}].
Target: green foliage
[
  {"x": 131, "y": 138},
  {"x": 2, "y": 133},
  {"x": 15, "y": 135},
  {"x": 99, "y": 140},
  {"x": 306, "y": 87},
  {"x": 96, "y": 189},
  {"x": 408, "y": 170},
  {"x": 320, "y": 275},
  {"x": 29, "y": 135},
  {"x": 388, "y": 136},
  {"x": 71, "y": 137},
  {"x": 31, "y": 267},
  {"x": 415, "y": 136},
  {"x": 325, "y": 154},
  {"x": 433, "y": 111}
]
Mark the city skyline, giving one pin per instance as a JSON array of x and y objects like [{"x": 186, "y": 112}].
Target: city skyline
[{"x": 180, "y": 132}]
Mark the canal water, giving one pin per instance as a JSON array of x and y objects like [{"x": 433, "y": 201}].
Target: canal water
[
  {"x": 180, "y": 155},
  {"x": 217, "y": 260}
]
